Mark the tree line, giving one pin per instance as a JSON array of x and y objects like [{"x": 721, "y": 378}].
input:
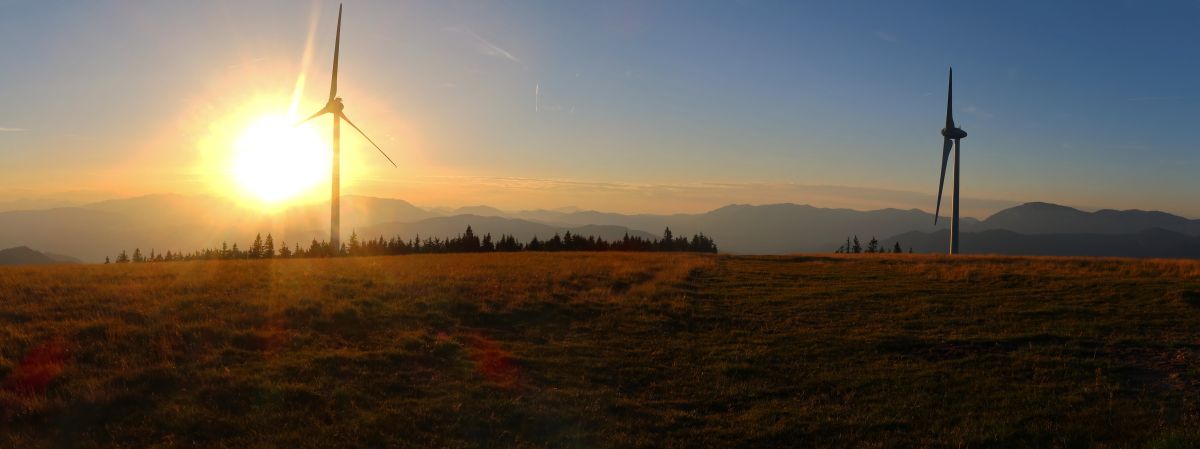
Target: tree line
[
  {"x": 467, "y": 242},
  {"x": 853, "y": 246}
]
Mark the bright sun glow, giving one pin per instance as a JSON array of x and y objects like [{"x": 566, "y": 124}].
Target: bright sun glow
[{"x": 275, "y": 161}]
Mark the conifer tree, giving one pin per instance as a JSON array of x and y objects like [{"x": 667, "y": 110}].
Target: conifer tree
[
  {"x": 268, "y": 250},
  {"x": 256, "y": 248},
  {"x": 857, "y": 246},
  {"x": 897, "y": 249},
  {"x": 355, "y": 245}
]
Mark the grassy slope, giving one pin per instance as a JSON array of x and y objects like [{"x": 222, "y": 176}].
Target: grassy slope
[{"x": 607, "y": 350}]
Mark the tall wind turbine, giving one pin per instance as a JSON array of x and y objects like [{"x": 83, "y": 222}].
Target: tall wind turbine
[
  {"x": 950, "y": 134},
  {"x": 334, "y": 107}
]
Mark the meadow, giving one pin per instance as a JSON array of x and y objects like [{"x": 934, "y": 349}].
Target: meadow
[{"x": 603, "y": 350}]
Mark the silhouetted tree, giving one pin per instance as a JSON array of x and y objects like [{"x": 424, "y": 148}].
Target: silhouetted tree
[
  {"x": 355, "y": 245},
  {"x": 256, "y": 248},
  {"x": 268, "y": 250},
  {"x": 873, "y": 245},
  {"x": 857, "y": 246},
  {"x": 468, "y": 241},
  {"x": 897, "y": 249},
  {"x": 465, "y": 242}
]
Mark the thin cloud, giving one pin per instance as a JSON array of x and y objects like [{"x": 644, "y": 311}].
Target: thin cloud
[
  {"x": 10, "y": 130},
  {"x": 884, "y": 36},
  {"x": 1156, "y": 98},
  {"x": 978, "y": 112},
  {"x": 485, "y": 46},
  {"x": 541, "y": 105}
]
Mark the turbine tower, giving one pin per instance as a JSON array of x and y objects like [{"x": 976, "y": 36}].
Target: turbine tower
[
  {"x": 950, "y": 134},
  {"x": 334, "y": 107}
]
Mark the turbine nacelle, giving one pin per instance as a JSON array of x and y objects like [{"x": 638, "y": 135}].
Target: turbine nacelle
[
  {"x": 335, "y": 106},
  {"x": 953, "y": 133}
]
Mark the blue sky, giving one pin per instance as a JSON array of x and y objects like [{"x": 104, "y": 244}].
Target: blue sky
[{"x": 639, "y": 106}]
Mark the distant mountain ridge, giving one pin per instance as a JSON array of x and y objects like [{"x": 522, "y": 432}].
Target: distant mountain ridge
[
  {"x": 1046, "y": 218},
  {"x": 24, "y": 255},
  {"x": 188, "y": 223}
]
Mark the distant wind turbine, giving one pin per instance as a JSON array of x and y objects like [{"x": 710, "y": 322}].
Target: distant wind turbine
[
  {"x": 950, "y": 134},
  {"x": 334, "y": 107}
]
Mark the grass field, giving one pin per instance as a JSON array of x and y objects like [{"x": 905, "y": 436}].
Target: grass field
[{"x": 603, "y": 350}]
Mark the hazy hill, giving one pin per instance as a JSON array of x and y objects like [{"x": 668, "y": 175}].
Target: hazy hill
[
  {"x": 1046, "y": 218},
  {"x": 767, "y": 229},
  {"x": 782, "y": 228},
  {"x": 523, "y": 230},
  {"x": 187, "y": 223},
  {"x": 1147, "y": 243},
  {"x": 485, "y": 211},
  {"x": 178, "y": 222},
  {"x": 24, "y": 255}
]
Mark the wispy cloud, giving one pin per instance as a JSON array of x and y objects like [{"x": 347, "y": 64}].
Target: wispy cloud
[
  {"x": 885, "y": 36},
  {"x": 4, "y": 129},
  {"x": 978, "y": 112},
  {"x": 1156, "y": 98},
  {"x": 485, "y": 46},
  {"x": 541, "y": 105}
]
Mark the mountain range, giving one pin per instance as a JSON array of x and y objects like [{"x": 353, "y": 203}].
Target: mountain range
[
  {"x": 24, "y": 255},
  {"x": 178, "y": 222}
]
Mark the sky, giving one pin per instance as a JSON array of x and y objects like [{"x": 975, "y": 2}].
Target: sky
[{"x": 626, "y": 106}]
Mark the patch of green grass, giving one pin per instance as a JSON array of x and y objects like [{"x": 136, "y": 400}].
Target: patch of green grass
[{"x": 602, "y": 350}]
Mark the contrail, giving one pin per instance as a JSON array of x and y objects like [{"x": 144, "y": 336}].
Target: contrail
[
  {"x": 492, "y": 49},
  {"x": 537, "y": 87}
]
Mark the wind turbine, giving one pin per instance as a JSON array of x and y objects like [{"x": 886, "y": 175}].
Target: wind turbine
[
  {"x": 334, "y": 107},
  {"x": 950, "y": 134}
]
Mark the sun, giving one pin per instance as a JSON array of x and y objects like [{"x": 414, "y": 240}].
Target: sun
[{"x": 274, "y": 161}]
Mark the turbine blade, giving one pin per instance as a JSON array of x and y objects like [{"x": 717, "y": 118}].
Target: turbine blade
[
  {"x": 950, "y": 101},
  {"x": 322, "y": 111},
  {"x": 942, "y": 181},
  {"x": 347, "y": 119},
  {"x": 337, "y": 46}
]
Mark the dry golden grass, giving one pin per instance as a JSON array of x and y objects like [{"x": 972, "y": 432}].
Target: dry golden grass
[{"x": 603, "y": 350}]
